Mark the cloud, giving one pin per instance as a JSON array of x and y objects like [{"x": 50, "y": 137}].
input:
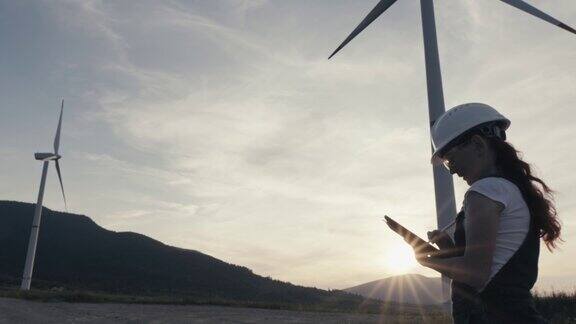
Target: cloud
[
  {"x": 258, "y": 145},
  {"x": 221, "y": 126}
]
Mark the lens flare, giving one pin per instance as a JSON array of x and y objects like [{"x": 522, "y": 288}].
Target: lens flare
[{"x": 399, "y": 259}]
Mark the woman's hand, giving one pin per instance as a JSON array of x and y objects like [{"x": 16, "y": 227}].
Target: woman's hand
[
  {"x": 440, "y": 238},
  {"x": 473, "y": 266},
  {"x": 423, "y": 258}
]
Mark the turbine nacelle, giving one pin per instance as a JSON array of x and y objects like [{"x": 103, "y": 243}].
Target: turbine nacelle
[{"x": 47, "y": 156}]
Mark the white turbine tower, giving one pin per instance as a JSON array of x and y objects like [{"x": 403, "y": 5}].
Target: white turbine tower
[
  {"x": 443, "y": 184},
  {"x": 46, "y": 158}
]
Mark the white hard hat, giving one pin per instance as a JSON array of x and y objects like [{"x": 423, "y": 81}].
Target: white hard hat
[{"x": 460, "y": 119}]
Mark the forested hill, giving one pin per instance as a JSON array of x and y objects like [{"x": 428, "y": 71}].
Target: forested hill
[{"x": 75, "y": 253}]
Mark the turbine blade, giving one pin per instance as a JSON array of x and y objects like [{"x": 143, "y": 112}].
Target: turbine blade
[
  {"x": 382, "y": 6},
  {"x": 519, "y": 4},
  {"x": 57, "y": 137},
  {"x": 61, "y": 185}
]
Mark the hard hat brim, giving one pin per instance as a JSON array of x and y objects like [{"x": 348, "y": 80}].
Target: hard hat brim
[{"x": 437, "y": 160}]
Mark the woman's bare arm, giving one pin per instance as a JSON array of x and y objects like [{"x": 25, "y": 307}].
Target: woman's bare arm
[{"x": 482, "y": 216}]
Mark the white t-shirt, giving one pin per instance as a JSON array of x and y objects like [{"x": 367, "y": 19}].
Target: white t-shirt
[{"x": 514, "y": 221}]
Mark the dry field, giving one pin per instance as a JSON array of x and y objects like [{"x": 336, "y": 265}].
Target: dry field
[{"x": 25, "y": 311}]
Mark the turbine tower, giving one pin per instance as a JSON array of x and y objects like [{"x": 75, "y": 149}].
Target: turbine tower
[
  {"x": 46, "y": 158},
  {"x": 443, "y": 184}
]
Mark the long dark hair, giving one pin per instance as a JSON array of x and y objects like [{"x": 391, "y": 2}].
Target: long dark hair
[{"x": 538, "y": 196}]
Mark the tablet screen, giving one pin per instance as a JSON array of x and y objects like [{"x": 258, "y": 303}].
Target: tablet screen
[{"x": 414, "y": 240}]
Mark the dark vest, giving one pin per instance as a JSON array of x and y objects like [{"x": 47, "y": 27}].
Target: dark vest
[
  {"x": 506, "y": 298},
  {"x": 517, "y": 276}
]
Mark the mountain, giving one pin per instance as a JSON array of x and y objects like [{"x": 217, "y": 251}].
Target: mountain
[
  {"x": 75, "y": 253},
  {"x": 411, "y": 289}
]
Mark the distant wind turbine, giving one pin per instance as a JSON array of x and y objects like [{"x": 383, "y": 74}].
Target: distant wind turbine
[
  {"x": 46, "y": 157},
  {"x": 443, "y": 184}
]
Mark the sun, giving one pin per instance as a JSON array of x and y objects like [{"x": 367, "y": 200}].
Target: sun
[{"x": 399, "y": 258}]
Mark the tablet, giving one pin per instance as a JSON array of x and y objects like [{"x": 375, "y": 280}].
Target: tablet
[{"x": 414, "y": 240}]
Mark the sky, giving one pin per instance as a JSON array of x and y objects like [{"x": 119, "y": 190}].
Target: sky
[{"x": 220, "y": 126}]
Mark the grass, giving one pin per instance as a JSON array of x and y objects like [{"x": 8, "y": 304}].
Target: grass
[
  {"x": 401, "y": 313},
  {"x": 558, "y": 307}
]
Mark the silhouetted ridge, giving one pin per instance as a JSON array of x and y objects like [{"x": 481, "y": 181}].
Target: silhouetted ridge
[
  {"x": 74, "y": 252},
  {"x": 409, "y": 288}
]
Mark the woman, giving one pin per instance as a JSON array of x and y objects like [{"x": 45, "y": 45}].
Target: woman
[{"x": 493, "y": 259}]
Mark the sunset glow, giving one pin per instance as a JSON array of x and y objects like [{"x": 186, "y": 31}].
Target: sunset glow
[
  {"x": 399, "y": 259},
  {"x": 222, "y": 127}
]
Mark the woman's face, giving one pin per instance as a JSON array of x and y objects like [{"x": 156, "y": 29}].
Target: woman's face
[{"x": 470, "y": 159}]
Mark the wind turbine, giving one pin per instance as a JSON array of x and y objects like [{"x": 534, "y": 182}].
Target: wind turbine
[
  {"x": 443, "y": 184},
  {"x": 46, "y": 158}
]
